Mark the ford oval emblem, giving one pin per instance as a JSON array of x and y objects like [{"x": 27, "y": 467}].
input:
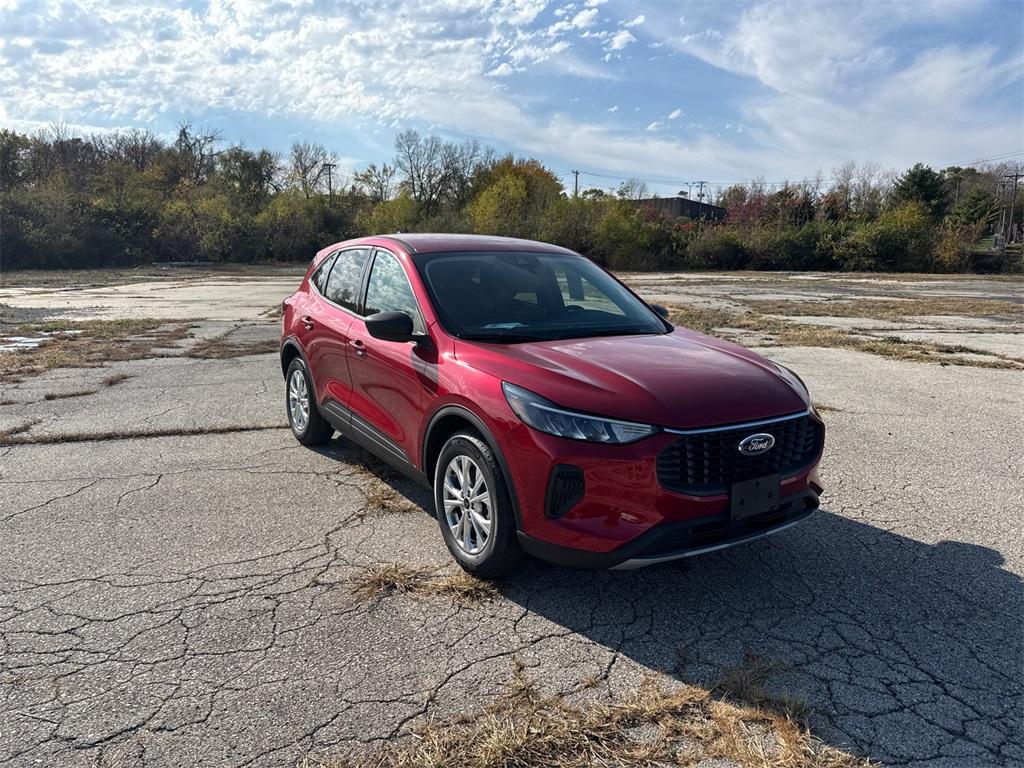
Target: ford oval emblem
[{"x": 754, "y": 445}]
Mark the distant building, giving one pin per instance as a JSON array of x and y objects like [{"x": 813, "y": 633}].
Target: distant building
[{"x": 676, "y": 207}]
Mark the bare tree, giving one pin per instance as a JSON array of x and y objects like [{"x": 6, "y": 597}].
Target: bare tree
[
  {"x": 137, "y": 148},
  {"x": 460, "y": 163},
  {"x": 633, "y": 189},
  {"x": 309, "y": 166},
  {"x": 378, "y": 184},
  {"x": 197, "y": 150},
  {"x": 419, "y": 160}
]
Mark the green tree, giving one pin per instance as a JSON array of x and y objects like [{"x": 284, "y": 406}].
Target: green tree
[
  {"x": 515, "y": 201},
  {"x": 921, "y": 184}
]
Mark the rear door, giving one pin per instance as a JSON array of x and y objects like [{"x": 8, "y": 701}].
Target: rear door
[
  {"x": 331, "y": 322},
  {"x": 389, "y": 390}
]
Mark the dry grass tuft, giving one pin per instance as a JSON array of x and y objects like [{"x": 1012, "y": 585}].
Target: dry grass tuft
[
  {"x": 66, "y": 395},
  {"x": 223, "y": 348},
  {"x": 463, "y": 588},
  {"x": 745, "y": 684},
  {"x": 891, "y": 309},
  {"x": 894, "y": 347},
  {"x": 15, "y": 434},
  {"x": 387, "y": 579},
  {"x": 17, "y": 437},
  {"x": 88, "y": 344},
  {"x": 114, "y": 379},
  {"x": 822, "y": 408},
  {"x": 782, "y": 333},
  {"x": 655, "y": 726},
  {"x": 381, "y": 499}
]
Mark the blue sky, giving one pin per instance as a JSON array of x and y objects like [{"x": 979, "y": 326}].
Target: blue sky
[{"x": 665, "y": 91}]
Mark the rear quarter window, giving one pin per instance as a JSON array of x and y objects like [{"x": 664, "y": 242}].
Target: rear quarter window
[
  {"x": 319, "y": 276},
  {"x": 343, "y": 283}
]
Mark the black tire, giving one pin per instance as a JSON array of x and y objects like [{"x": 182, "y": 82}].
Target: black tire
[
  {"x": 500, "y": 553},
  {"x": 316, "y": 431}
]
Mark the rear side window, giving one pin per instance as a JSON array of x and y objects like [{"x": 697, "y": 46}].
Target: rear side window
[
  {"x": 319, "y": 278},
  {"x": 388, "y": 290},
  {"x": 343, "y": 284}
]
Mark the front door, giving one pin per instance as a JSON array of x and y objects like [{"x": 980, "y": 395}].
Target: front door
[{"x": 389, "y": 390}]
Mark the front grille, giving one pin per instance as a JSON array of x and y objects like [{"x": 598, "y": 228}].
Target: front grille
[{"x": 704, "y": 463}]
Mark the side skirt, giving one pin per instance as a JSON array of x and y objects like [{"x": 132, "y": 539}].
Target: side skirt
[{"x": 365, "y": 435}]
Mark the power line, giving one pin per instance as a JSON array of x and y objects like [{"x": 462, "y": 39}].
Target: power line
[{"x": 721, "y": 184}]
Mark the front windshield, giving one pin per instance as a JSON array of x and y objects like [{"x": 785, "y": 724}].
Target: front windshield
[{"x": 511, "y": 297}]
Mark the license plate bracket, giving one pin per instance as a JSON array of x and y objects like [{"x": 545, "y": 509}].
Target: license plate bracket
[{"x": 754, "y": 497}]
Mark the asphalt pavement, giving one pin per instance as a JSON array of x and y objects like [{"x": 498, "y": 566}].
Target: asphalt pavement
[{"x": 186, "y": 599}]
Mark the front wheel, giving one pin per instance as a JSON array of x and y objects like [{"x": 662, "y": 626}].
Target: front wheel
[{"x": 474, "y": 508}]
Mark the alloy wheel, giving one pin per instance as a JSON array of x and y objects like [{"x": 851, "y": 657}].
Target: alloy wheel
[
  {"x": 467, "y": 504},
  {"x": 298, "y": 400}
]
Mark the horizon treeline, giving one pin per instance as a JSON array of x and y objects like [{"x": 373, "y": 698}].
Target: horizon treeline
[{"x": 130, "y": 198}]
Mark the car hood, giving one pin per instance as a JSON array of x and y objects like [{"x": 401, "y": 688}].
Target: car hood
[{"x": 682, "y": 379}]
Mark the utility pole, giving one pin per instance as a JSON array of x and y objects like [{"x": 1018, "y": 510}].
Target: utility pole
[
  {"x": 330, "y": 184},
  {"x": 576, "y": 183},
  {"x": 700, "y": 191},
  {"x": 1016, "y": 176},
  {"x": 1002, "y": 206}
]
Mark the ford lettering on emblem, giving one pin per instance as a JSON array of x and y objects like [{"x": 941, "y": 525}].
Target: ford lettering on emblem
[{"x": 754, "y": 445}]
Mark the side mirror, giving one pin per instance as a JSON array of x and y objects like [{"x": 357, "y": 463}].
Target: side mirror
[
  {"x": 660, "y": 310},
  {"x": 391, "y": 326}
]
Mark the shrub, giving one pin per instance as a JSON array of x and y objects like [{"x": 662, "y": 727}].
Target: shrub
[
  {"x": 717, "y": 248},
  {"x": 900, "y": 240},
  {"x": 627, "y": 237},
  {"x": 954, "y": 245}
]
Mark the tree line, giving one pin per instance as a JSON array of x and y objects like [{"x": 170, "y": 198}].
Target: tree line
[{"x": 129, "y": 198}]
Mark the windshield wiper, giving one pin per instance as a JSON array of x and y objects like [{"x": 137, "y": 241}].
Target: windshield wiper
[
  {"x": 582, "y": 334},
  {"x": 496, "y": 336}
]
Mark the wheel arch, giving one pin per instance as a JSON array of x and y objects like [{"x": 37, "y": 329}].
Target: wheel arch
[
  {"x": 290, "y": 349},
  {"x": 446, "y": 422}
]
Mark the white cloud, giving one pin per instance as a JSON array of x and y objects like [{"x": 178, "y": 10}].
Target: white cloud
[
  {"x": 620, "y": 40},
  {"x": 503, "y": 70},
  {"x": 850, "y": 81},
  {"x": 636, "y": 22},
  {"x": 655, "y": 126},
  {"x": 825, "y": 83},
  {"x": 595, "y": 3},
  {"x": 585, "y": 18}
]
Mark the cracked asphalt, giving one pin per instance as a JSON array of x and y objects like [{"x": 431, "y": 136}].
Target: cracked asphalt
[{"x": 185, "y": 599}]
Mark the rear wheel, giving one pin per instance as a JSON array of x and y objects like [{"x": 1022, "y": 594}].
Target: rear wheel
[
  {"x": 308, "y": 426},
  {"x": 474, "y": 508}
]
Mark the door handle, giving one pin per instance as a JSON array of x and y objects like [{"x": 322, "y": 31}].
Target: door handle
[
  {"x": 308, "y": 322},
  {"x": 358, "y": 346}
]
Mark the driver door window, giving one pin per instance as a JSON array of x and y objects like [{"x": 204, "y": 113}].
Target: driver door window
[{"x": 388, "y": 290}]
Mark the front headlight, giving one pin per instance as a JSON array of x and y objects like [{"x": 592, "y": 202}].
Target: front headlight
[{"x": 545, "y": 416}]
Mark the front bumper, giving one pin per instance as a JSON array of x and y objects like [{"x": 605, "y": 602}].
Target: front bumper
[
  {"x": 676, "y": 540},
  {"x": 620, "y": 513}
]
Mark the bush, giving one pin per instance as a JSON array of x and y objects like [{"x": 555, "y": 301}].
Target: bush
[
  {"x": 399, "y": 215},
  {"x": 954, "y": 247},
  {"x": 627, "y": 237},
  {"x": 900, "y": 240},
  {"x": 718, "y": 247}
]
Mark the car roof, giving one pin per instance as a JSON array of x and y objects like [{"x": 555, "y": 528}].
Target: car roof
[{"x": 436, "y": 242}]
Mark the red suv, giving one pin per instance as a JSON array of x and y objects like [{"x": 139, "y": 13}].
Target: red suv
[{"x": 551, "y": 409}]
